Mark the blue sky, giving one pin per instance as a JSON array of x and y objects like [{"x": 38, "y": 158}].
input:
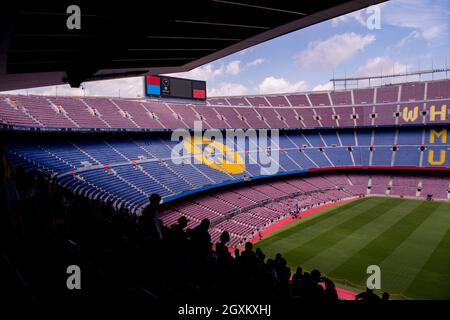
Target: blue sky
[{"x": 413, "y": 34}]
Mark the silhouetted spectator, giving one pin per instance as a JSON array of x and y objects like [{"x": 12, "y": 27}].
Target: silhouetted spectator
[
  {"x": 368, "y": 296},
  {"x": 330, "y": 294},
  {"x": 248, "y": 260},
  {"x": 222, "y": 252},
  {"x": 278, "y": 258},
  {"x": 306, "y": 285},
  {"x": 260, "y": 257},
  {"x": 177, "y": 230},
  {"x": 271, "y": 266},
  {"x": 201, "y": 239},
  {"x": 284, "y": 271},
  {"x": 317, "y": 291},
  {"x": 150, "y": 224},
  {"x": 296, "y": 281},
  {"x": 237, "y": 254}
]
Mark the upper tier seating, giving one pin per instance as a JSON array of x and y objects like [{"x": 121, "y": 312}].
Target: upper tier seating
[{"x": 399, "y": 104}]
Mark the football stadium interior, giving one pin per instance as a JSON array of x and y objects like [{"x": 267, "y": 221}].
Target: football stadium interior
[{"x": 362, "y": 175}]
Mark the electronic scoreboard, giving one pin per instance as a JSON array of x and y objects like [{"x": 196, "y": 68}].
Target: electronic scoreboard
[{"x": 168, "y": 87}]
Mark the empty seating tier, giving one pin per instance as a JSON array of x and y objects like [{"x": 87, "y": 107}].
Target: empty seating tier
[
  {"x": 140, "y": 165},
  {"x": 389, "y": 105}
]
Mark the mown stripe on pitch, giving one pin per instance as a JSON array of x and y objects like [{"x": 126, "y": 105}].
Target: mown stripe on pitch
[
  {"x": 312, "y": 220},
  {"x": 325, "y": 240},
  {"x": 403, "y": 265},
  {"x": 321, "y": 218},
  {"x": 345, "y": 249},
  {"x": 433, "y": 281},
  {"x": 290, "y": 238},
  {"x": 376, "y": 251}
]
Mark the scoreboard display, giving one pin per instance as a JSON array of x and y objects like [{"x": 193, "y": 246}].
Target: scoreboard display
[{"x": 168, "y": 87}]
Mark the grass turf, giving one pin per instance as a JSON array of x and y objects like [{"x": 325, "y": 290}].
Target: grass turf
[{"x": 408, "y": 239}]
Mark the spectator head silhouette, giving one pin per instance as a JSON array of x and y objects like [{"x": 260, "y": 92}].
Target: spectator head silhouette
[
  {"x": 260, "y": 255},
  {"x": 205, "y": 223},
  {"x": 299, "y": 270},
  {"x": 248, "y": 246},
  {"x": 224, "y": 237},
  {"x": 315, "y": 275},
  {"x": 154, "y": 199},
  {"x": 182, "y": 222}
]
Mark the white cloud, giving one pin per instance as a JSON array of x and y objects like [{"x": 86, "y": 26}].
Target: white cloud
[
  {"x": 428, "y": 18},
  {"x": 403, "y": 41},
  {"x": 210, "y": 72},
  {"x": 228, "y": 89},
  {"x": 333, "y": 51},
  {"x": 234, "y": 67},
  {"x": 61, "y": 90},
  {"x": 381, "y": 65},
  {"x": 356, "y": 15},
  {"x": 255, "y": 62},
  {"x": 360, "y": 16},
  {"x": 280, "y": 85},
  {"x": 129, "y": 88},
  {"x": 324, "y": 87},
  {"x": 206, "y": 73}
]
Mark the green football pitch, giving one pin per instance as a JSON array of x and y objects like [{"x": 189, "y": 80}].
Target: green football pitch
[{"x": 408, "y": 239}]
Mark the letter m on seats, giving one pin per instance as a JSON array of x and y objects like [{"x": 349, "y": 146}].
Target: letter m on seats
[
  {"x": 410, "y": 115},
  {"x": 442, "y": 135}
]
